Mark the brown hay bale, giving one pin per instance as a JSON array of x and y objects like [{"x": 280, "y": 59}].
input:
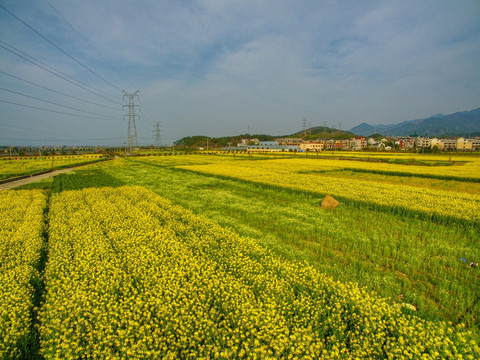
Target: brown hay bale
[
  {"x": 329, "y": 203},
  {"x": 406, "y": 306}
]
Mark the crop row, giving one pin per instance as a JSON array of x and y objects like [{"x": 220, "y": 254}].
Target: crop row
[
  {"x": 132, "y": 276},
  {"x": 469, "y": 171},
  {"x": 459, "y": 168},
  {"x": 298, "y": 174},
  {"x": 21, "y": 242}
]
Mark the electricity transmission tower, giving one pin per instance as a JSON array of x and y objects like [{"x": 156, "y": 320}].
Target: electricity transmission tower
[
  {"x": 156, "y": 134},
  {"x": 132, "y": 129}
]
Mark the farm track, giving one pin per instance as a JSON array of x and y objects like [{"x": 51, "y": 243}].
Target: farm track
[{"x": 24, "y": 180}]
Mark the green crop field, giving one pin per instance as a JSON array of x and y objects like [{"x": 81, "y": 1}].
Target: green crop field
[{"x": 222, "y": 256}]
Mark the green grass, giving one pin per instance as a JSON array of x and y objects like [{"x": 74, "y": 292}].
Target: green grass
[
  {"x": 81, "y": 179},
  {"x": 406, "y": 259},
  {"x": 45, "y": 184}
]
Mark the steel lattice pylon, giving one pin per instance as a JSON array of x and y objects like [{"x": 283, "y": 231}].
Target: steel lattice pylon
[{"x": 132, "y": 129}]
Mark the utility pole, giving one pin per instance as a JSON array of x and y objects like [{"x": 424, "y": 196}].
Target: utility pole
[
  {"x": 132, "y": 129},
  {"x": 156, "y": 133},
  {"x": 40, "y": 154}
]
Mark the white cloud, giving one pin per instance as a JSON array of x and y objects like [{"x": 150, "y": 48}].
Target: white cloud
[{"x": 227, "y": 65}]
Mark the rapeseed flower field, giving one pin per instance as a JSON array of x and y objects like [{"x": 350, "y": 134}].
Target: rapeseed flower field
[
  {"x": 300, "y": 174},
  {"x": 130, "y": 275},
  {"x": 21, "y": 242}
]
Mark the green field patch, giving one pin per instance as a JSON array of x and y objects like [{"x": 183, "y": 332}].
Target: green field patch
[
  {"x": 81, "y": 179},
  {"x": 44, "y": 184}
]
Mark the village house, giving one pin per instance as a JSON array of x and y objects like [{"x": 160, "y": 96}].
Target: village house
[
  {"x": 271, "y": 146},
  {"x": 406, "y": 143},
  {"x": 359, "y": 143},
  {"x": 312, "y": 146}
]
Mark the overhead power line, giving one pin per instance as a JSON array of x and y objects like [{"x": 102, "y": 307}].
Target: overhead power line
[
  {"x": 60, "y": 49},
  {"x": 57, "y": 92},
  {"x": 39, "y": 134},
  {"x": 53, "y": 111},
  {"x": 86, "y": 41},
  {"x": 53, "y": 103},
  {"x": 55, "y": 72}
]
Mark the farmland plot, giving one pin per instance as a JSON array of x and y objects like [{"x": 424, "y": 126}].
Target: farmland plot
[
  {"x": 21, "y": 243},
  {"x": 132, "y": 276}
]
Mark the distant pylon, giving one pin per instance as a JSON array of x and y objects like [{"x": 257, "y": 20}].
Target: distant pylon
[
  {"x": 156, "y": 133},
  {"x": 132, "y": 129}
]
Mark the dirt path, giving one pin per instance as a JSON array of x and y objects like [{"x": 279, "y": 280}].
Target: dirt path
[{"x": 33, "y": 178}]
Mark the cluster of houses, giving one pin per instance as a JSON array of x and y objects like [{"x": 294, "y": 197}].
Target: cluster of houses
[{"x": 359, "y": 143}]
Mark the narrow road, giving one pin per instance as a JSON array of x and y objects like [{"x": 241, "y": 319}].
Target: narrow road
[{"x": 33, "y": 178}]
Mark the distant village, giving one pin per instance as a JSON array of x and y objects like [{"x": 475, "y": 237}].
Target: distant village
[{"x": 410, "y": 143}]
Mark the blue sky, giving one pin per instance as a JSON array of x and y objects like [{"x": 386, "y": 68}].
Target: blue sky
[{"x": 218, "y": 68}]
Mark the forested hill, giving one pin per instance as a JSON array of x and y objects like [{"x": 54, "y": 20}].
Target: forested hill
[{"x": 218, "y": 142}]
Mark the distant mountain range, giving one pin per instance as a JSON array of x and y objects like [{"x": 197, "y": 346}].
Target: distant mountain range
[{"x": 463, "y": 123}]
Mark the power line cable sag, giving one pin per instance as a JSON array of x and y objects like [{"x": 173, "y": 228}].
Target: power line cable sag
[
  {"x": 64, "y": 77},
  {"x": 57, "y": 71},
  {"x": 53, "y": 111},
  {"x": 24, "y": 130},
  {"x": 53, "y": 103},
  {"x": 58, "y": 92},
  {"x": 86, "y": 41},
  {"x": 144, "y": 115},
  {"x": 60, "y": 49},
  {"x": 63, "y": 139},
  {"x": 33, "y": 134}
]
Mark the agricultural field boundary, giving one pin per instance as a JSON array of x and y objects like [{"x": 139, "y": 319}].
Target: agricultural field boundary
[
  {"x": 257, "y": 184},
  {"x": 398, "y": 173},
  {"x": 398, "y": 210},
  {"x": 201, "y": 193},
  {"x": 360, "y": 203},
  {"x": 241, "y": 290}
]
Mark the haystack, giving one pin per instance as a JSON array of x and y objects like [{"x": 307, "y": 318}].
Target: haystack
[
  {"x": 406, "y": 306},
  {"x": 329, "y": 203}
]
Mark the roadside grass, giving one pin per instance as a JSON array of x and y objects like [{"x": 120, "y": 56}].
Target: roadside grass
[{"x": 10, "y": 169}]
